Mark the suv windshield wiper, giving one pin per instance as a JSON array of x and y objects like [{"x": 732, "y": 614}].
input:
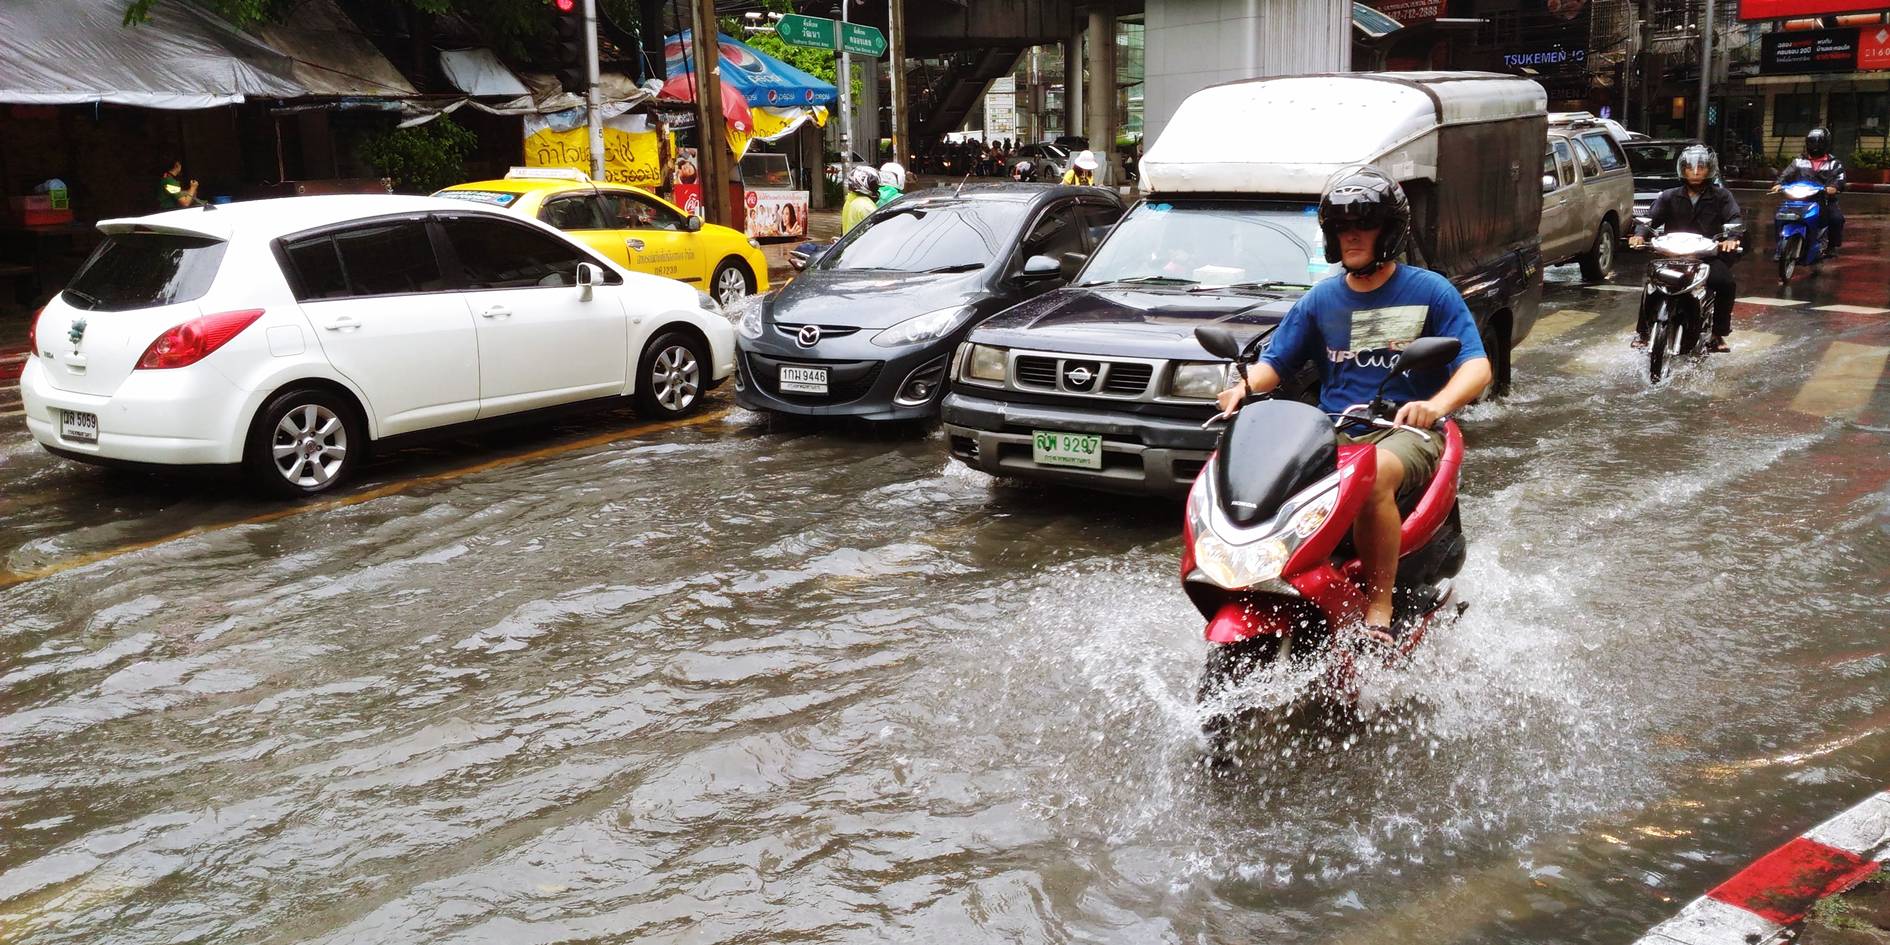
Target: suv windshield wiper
[
  {"x": 958, "y": 267},
  {"x": 1256, "y": 286},
  {"x": 1146, "y": 280}
]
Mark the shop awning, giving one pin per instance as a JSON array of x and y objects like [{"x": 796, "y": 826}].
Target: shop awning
[
  {"x": 763, "y": 80},
  {"x": 479, "y": 72},
  {"x": 67, "y": 52}
]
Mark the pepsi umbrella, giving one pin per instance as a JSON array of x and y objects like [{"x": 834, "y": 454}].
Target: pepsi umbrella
[{"x": 762, "y": 80}]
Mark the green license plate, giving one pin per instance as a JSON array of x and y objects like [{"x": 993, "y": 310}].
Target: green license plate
[{"x": 1053, "y": 448}]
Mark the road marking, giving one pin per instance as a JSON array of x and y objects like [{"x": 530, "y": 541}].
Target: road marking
[
  {"x": 10, "y": 578},
  {"x": 1613, "y": 288},
  {"x": 1853, "y": 309},
  {"x": 1745, "y": 345},
  {"x": 1773, "y": 303},
  {"x": 1843, "y": 382},
  {"x": 7, "y": 415},
  {"x": 1556, "y": 324}
]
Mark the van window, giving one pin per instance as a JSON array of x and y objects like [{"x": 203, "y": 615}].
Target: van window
[
  {"x": 1606, "y": 149},
  {"x": 145, "y": 270},
  {"x": 1591, "y": 168},
  {"x": 1564, "y": 164}
]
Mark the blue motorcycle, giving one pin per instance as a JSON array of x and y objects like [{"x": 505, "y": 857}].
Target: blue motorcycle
[{"x": 1800, "y": 224}]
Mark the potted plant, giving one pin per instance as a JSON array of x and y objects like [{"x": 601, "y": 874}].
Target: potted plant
[{"x": 1869, "y": 166}]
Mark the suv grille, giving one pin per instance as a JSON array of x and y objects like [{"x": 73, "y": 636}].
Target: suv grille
[
  {"x": 1037, "y": 372},
  {"x": 1129, "y": 379},
  {"x": 1082, "y": 375}
]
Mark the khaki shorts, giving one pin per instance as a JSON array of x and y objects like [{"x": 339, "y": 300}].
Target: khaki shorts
[{"x": 1418, "y": 455}]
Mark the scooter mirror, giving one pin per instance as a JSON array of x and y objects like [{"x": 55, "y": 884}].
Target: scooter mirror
[
  {"x": 1218, "y": 342},
  {"x": 1425, "y": 353}
]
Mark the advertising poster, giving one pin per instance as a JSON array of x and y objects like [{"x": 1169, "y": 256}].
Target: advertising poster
[
  {"x": 776, "y": 213},
  {"x": 632, "y": 152},
  {"x": 1794, "y": 9}
]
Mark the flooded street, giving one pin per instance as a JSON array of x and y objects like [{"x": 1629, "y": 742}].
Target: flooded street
[{"x": 734, "y": 681}]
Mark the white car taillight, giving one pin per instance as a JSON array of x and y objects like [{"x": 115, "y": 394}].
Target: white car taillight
[{"x": 192, "y": 341}]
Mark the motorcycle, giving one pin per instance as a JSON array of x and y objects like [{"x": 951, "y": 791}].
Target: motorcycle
[
  {"x": 1802, "y": 237},
  {"x": 1676, "y": 287},
  {"x": 1267, "y": 554}
]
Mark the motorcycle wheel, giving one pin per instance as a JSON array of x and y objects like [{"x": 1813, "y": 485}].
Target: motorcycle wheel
[
  {"x": 1657, "y": 350},
  {"x": 1227, "y": 665},
  {"x": 1690, "y": 334},
  {"x": 1788, "y": 259}
]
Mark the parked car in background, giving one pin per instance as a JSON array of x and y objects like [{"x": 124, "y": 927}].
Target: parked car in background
[
  {"x": 1653, "y": 162},
  {"x": 1587, "y": 197},
  {"x": 1103, "y": 384},
  {"x": 1050, "y": 160},
  {"x": 287, "y": 338},
  {"x": 634, "y": 228},
  {"x": 868, "y": 328}
]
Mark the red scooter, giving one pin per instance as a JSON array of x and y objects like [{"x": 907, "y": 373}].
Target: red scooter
[{"x": 1267, "y": 555}]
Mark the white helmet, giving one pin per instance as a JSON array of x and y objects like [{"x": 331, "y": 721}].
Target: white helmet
[
  {"x": 892, "y": 175},
  {"x": 1085, "y": 160}
]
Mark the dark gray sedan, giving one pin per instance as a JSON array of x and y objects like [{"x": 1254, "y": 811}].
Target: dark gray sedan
[{"x": 869, "y": 328}]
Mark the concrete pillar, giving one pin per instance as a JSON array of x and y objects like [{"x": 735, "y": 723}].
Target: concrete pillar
[
  {"x": 1100, "y": 98},
  {"x": 1073, "y": 80}
]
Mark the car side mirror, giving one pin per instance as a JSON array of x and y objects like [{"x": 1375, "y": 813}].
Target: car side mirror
[
  {"x": 1549, "y": 183},
  {"x": 693, "y": 224},
  {"x": 1070, "y": 265},
  {"x": 587, "y": 279},
  {"x": 1040, "y": 269},
  {"x": 1426, "y": 353},
  {"x": 1218, "y": 342}
]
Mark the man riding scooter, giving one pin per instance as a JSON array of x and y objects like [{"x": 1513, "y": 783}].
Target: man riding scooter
[
  {"x": 1819, "y": 166},
  {"x": 1699, "y": 205},
  {"x": 1353, "y": 328}
]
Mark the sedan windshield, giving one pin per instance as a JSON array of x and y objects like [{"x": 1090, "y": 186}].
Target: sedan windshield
[
  {"x": 1213, "y": 243},
  {"x": 929, "y": 237}
]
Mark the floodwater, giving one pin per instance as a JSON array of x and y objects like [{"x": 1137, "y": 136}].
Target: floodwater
[{"x": 753, "y": 682}]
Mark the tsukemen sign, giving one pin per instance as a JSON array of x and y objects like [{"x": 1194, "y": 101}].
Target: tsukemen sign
[{"x": 1799, "y": 51}]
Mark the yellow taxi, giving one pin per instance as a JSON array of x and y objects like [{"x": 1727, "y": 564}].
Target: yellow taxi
[{"x": 636, "y": 228}]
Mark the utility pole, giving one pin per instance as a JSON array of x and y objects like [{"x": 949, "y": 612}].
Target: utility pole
[
  {"x": 1706, "y": 70},
  {"x": 594, "y": 116},
  {"x": 896, "y": 75},
  {"x": 712, "y": 153},
  {"x": 846, "y": 101}
]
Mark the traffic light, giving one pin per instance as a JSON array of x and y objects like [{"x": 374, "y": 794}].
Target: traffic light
[{"x": 573, "y": 73}]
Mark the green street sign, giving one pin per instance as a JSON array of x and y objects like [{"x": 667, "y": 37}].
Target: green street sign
[
  {"x": 862, "y": 40},
  {"x": 821, "y": 33},
  {"x": 814, "y": 31}
]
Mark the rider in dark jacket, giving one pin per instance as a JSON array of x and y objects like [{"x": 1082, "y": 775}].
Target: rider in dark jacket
[
  {"x": 1699, "y": 205},
  {"x": 1819, "y": 166}
]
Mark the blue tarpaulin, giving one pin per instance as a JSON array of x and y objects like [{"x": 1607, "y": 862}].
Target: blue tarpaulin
[{"x": 766, "y": 82}]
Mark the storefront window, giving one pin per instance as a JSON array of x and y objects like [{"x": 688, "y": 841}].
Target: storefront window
[{"x": 1794, "y": 114}]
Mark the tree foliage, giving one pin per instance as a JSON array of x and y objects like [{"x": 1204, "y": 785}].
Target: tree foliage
[{"x": 421, "y": 159}]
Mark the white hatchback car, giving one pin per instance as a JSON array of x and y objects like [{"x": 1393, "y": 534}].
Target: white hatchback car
[{"x": 286, "y": 336}]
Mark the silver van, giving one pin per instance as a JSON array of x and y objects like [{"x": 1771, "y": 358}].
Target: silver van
[{"x": 1587, "y": 197}]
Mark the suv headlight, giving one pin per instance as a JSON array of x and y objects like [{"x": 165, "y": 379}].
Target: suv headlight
[
  {"x": 1199, "y": 380},
  {"x": 984, "y": 363},
  {"x": 928, "y": 327}
]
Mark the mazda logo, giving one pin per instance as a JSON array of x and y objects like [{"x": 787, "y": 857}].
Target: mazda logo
[
  {"x": 1078, "y": 376},
  {"x": 808, "y": 336}
]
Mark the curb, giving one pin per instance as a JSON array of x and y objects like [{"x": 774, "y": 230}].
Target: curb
[{"x": 1758, "y": 904}]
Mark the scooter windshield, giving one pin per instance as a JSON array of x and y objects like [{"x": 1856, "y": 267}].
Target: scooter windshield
[{"x": 1275, "y": 449}]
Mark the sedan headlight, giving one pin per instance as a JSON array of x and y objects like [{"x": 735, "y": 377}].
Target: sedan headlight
[
  {"x": 928, "y": 327},
  {"x": 985, "y": 363},
  {"x": 1198, "y": 380},
  {"x": 748, "y": 323},
  {"x": 707, "y": 303}
]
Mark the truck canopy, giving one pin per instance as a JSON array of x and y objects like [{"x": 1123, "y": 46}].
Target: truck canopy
[{"x": 1467, "y": 146}]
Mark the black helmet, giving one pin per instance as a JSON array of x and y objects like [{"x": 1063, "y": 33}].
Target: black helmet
[
  {"x": 1818, "y": 142},
  {"x": 1371, "y": 197}
]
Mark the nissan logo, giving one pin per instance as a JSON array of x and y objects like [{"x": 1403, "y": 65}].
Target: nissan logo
[
  {"x": 1078, "y": 376},
  {"x": 808, "y": 336}
]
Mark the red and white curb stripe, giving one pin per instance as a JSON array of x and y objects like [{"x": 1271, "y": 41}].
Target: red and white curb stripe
[{"x": 1757, "y": 905}]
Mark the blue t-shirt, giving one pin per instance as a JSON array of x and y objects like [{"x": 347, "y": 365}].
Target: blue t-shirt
[{"x": 1355, "y": 336}]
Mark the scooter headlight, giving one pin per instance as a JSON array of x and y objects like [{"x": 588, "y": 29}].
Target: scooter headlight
[{"x": 1238, "y": 566}]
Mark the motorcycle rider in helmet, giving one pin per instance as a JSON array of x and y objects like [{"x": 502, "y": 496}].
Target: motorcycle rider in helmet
[
  {"x": 892, "y": 182},
  {"x": 1023, "y": 171},
  {"x": 862, "y": 196},
  {"x": 1704, "y": 206},
  {"x": 1819, "y": 166},
  {"x": 1353, "y": 327}
]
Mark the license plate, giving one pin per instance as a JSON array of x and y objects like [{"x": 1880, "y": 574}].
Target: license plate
[
  {"x": 1052, "y": 448},
  {"x": 804, "y": 380},
  {"x": 74, "y": 425}
]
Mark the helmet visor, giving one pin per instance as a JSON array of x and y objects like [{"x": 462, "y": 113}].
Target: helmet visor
[{"x": 1696, "y": 159}]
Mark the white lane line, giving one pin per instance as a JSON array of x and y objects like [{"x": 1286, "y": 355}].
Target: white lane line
[
  {"x": 1773, "y": 303},
  {"x": 12, "y": 413},
  {"x": 1853, "y": 309},
  {"x": 1606, "y": 287},
  {"x": 1556, "y": 324},
  {"x": 1746, "y": 345},
  {"x": 1843, "y": 382}
]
